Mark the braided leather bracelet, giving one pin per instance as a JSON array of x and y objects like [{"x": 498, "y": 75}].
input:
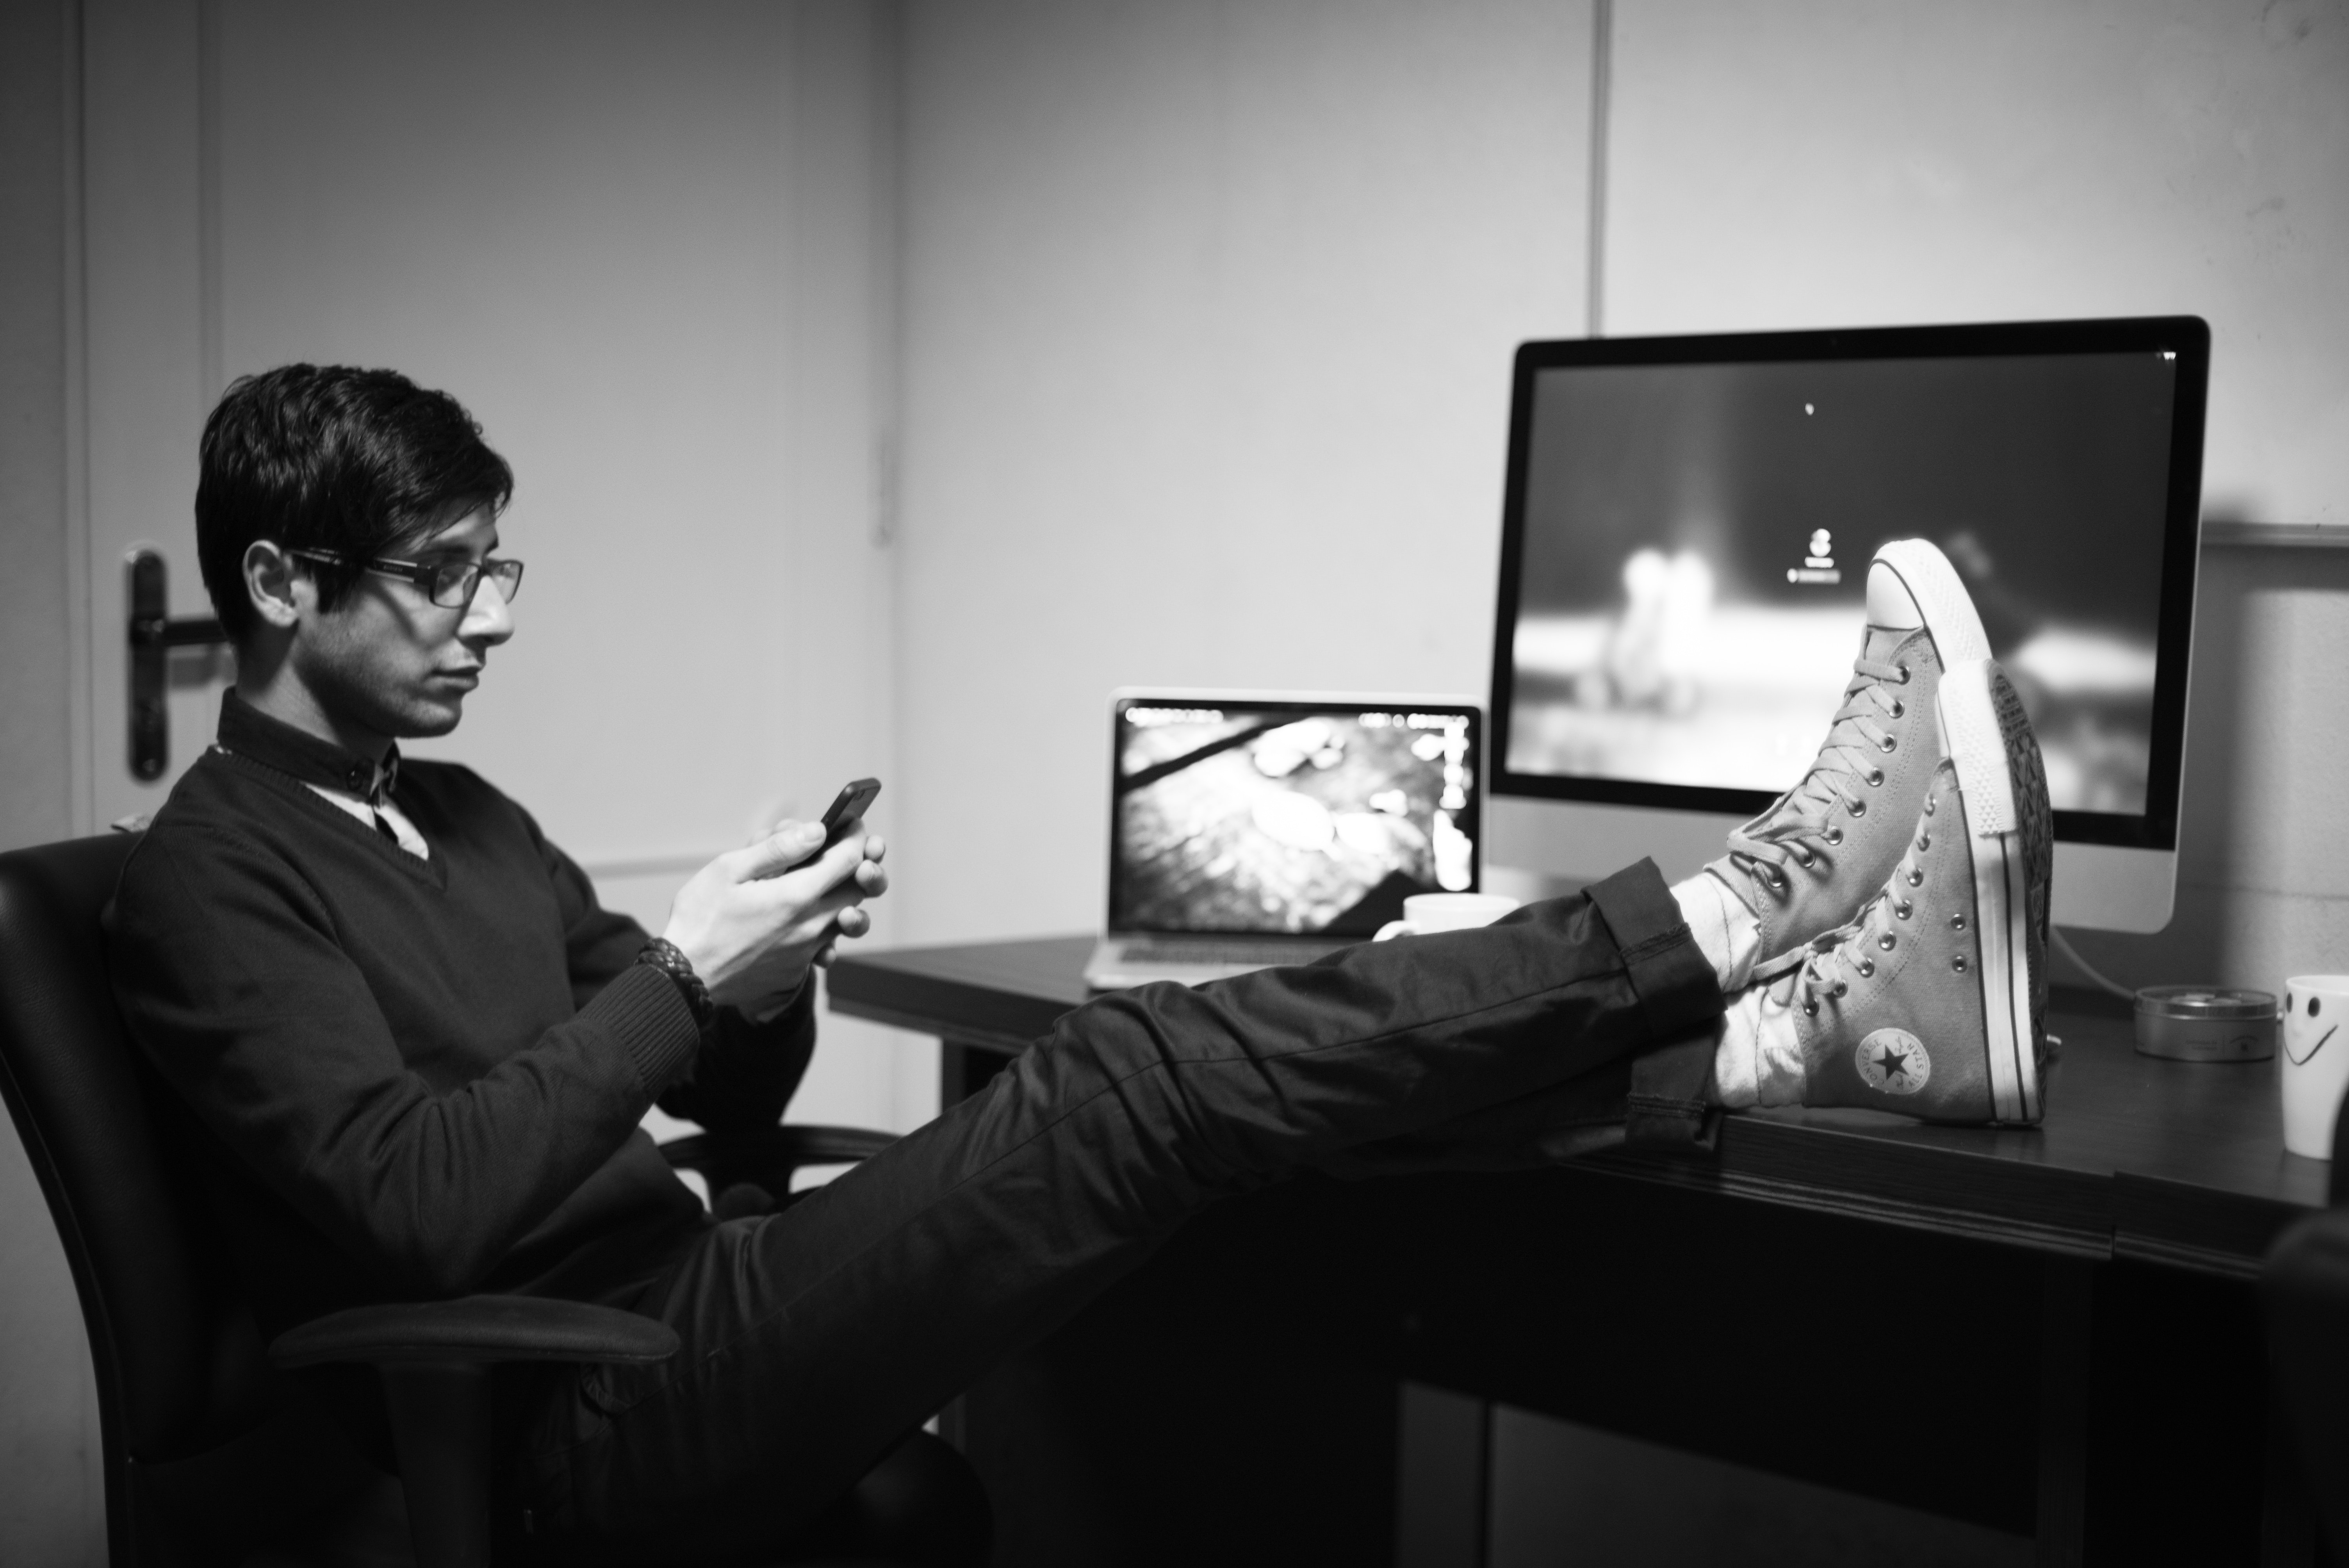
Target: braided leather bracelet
[{"x": 666, "y": 957}]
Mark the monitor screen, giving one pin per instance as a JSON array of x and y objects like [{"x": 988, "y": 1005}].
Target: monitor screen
[
  {"x": 1690, "y": 521},
  {"x": 1302, "y": 817}
]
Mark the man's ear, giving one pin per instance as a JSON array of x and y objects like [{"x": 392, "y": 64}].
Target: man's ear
[{"x": 279, "y": 590}]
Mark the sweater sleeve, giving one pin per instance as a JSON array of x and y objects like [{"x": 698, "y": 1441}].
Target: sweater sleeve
[
  {"x": 747, "y": 1073},
  {"x": 230, "y": 976},
  {"x": 744, "y": 1074}
]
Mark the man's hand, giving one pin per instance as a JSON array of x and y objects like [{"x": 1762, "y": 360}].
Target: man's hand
[{"x": 751, "y": 928}]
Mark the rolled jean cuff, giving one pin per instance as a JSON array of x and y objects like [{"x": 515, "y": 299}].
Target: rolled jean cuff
[{"x": 1669, "y": 973}]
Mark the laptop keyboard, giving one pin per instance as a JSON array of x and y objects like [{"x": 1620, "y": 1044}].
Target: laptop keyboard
[{"x": 1238, "y": 952}]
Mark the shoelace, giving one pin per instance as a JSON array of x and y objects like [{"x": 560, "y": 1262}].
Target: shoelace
[
  {"x": 1824, "y": 967},
  {"x": 1800, "y": 823}
]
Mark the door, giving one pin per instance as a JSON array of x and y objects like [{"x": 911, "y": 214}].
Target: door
[{"x": 152, "y": 365}]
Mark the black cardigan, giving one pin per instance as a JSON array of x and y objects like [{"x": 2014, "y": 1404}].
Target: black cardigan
[{"x": 413, "y": 1079}]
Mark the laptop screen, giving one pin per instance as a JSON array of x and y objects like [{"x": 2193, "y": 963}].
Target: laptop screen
[{"x": 1249, "y": 813}]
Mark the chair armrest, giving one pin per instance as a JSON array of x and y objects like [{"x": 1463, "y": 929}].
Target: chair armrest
[
  {"x": 476, "y": 1329},
  {"x": 777, "y": 1150},
  {"x": 434, "y": 1359}
]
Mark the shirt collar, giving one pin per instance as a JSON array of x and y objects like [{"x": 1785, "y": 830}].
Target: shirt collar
[{"x": 248, "y": 732}]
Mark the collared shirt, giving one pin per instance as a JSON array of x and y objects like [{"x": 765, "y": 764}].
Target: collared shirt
[
  {"x": 375, "y": 807},
  {"x": 345, "y": 779}
]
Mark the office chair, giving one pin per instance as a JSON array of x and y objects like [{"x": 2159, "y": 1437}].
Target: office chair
[
  {"x": 2304, "y": 1295},
  {"x": 212, "y": 1455}
]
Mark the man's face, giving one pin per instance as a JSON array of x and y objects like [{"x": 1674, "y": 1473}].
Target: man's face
[{"x": 388, "y": 660}]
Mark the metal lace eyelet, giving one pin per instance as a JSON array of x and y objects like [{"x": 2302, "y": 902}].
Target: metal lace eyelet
[
  {"x": 1810, "y": 1009},
  {"x": 1867, "y": 968},
  {"x": 1805, "y": 860},
  {"x": 1841, "y": 990},
  {"x": 1834, "y": 835},
  {"x": 1958, "y": 921},
  {"x": 1903, "y": 909},
  {"x": 1904, "y": 673},
  {"x": 1959, "y": 963},
  {"x": 1856, "y": 808},
  {"x": 1916, "y": 877},
  {"x": 1928, "y": 805},
  {"x": 1875, "y": 777},
  {"x": 1898, "y": 707},
  {"x": 1924, "y": 840},
  {"x": 1888, "y": 942},
  {"x": 1889, "y": 744}
]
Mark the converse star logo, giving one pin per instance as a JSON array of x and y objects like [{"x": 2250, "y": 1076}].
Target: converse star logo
[{"x": 1893, "y": 1061}]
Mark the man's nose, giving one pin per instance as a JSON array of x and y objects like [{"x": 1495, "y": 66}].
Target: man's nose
[{"x": 489, "y": 619}]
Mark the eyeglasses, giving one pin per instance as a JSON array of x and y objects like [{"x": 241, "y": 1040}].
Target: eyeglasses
[{"x": 449, "y": 583}]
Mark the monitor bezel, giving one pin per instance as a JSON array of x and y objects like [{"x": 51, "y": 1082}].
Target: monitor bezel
[
  {"x": 1302, "y": 705},
  {"x": 2187, "y": 336}
]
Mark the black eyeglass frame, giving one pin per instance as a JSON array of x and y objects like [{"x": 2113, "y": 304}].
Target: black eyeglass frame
[{"x": 505, "y": 569}]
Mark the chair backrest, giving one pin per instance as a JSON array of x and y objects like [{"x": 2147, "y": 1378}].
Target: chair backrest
[{"x": 188, "y": 1407}]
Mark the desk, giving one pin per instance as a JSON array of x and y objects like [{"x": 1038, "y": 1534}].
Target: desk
[{"x": 2110, "y": 1249}]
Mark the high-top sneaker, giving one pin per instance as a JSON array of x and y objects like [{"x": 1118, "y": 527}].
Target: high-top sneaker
[
  {"x": 1933, "y": 1002},
  {"x": 1805, "y": 866}
]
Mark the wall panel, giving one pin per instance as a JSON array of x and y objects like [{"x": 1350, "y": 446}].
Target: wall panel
[
  {"x": 640, "y": 242},
  {"x": 1840, "y": 162},
  {"x": 1849, "y": 162},
  {"x": 1208, "y": 316}
]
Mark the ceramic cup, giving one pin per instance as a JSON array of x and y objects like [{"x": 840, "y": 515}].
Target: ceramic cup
[
  {"x": 1425, "y": 913},
  {"x": 2315, "y": 1060}
]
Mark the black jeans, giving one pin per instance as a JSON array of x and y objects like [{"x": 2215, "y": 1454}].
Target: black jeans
[{"x": 815, "y": 1338}]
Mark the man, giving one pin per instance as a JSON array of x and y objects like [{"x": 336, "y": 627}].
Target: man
[{"x": 417, "y": 1052}]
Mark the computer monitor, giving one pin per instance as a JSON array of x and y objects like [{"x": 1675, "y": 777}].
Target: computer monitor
[{"x": 1684, "y": 552}]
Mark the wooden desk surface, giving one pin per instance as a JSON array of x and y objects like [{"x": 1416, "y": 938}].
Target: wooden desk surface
[{"x": 2169, "y": 1162}]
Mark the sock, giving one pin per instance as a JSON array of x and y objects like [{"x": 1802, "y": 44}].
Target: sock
[
  {"x": 1726, "y": 932},
  {"x": 1760, "y": 1059}
]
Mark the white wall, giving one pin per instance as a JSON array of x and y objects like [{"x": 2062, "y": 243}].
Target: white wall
[
  {"x": 2263, "y": 851},
  {"x": 1208, "y": 309},
  {"x": 36, "y": 624},
  {"x": 646, "y": 246},
  {"x": 1862, "y": 162},
  {"x": 1207, "y": 323},
  {"x": 571, "y": 217},
  {"x": 1848, "y": 163}
]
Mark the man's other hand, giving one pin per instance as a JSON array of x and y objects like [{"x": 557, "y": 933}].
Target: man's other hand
[{"x": 752, "y": 926}]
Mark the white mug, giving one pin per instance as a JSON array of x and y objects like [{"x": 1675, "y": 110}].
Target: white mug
[
  {"x": 1425, "y": 913},
  {"x": 2315, "y": 1060}
]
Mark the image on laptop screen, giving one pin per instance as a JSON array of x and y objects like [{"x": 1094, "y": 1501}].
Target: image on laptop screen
[
  {"x": 1695, "y": 543},
  {"x": 1304, "y": 817}
]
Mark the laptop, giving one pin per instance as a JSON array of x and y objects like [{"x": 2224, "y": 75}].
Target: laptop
[{"x": 1250, "y": 829}]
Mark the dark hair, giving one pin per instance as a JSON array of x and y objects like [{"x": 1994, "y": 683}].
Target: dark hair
[{"x": 335, "y": 458}]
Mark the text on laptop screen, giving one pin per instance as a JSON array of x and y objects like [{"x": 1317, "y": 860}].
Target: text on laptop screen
[
  {"x": 1288, "y": 817},
  {"x": 1696, "y": 540}
]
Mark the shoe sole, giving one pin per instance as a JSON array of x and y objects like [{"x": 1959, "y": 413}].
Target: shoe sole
[
  {"x": 1985, "y": 739},
  {"x": 1949, "y": 610}
]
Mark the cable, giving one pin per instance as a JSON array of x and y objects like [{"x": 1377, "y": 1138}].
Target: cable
[{"x": 2063, "y": 944}]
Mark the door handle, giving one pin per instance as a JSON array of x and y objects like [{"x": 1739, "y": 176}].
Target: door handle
[{"x": 152, "y": 635}]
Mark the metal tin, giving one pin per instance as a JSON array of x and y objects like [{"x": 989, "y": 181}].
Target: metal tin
[{"x": 2205, "y": 1024}]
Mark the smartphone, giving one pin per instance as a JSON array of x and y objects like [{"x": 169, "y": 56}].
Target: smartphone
[{"x": 851, "y": 803}]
